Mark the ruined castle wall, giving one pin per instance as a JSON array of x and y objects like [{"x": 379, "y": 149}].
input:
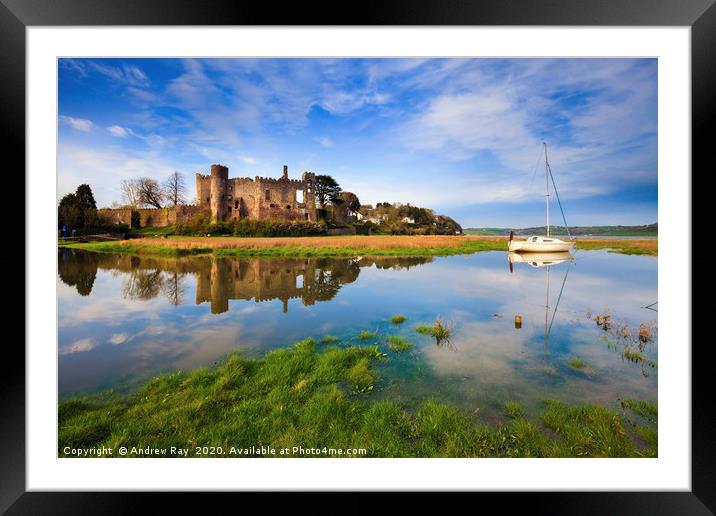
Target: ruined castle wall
[
  {"x": 115, "y": 217},
  {"x": 203, "y": 190},
  {"x": 148, "y": 217},
  {"x": 260, "y": 198}
]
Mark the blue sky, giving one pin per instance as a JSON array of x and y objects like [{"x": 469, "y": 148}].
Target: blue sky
[{"x": 461, "y": 136}]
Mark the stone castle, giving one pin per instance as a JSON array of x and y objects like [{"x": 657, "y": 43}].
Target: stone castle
[{"x": 259, "y": 198}]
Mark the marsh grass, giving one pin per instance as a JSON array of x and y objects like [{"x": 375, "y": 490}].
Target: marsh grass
[
  {"x": 398, "y": 344},
  {"x": 440, "y": 330},
  {"x": 577, "y": 363},
  {"x": 378, "y": 245},
  {"x": 513, "y": 409},
  {"x": 329, "y": 339},
  {"x": 310, "y": 397},
  {"x": 366, "y": 335},
  {"x": 398, "y": 319}
]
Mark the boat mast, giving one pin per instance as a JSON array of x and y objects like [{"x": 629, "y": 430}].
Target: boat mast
[{"x": 546, "y": 182}]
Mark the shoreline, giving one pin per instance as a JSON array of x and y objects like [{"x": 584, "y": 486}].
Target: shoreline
[{"x": 339, "y": 246}]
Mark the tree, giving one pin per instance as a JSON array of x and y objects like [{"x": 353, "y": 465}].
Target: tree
[
  {"x": 68, "y": 212},
  {"x": 150, "y": 193},
  {"x": 327, "y": 189},
  {"x": 79, "y": 209},
  {"x": 87, "y": 205},
  {"x": 349, "y": 200},
  {"x": 130, "y": 192},
  {"x": 174, "y": 189}
]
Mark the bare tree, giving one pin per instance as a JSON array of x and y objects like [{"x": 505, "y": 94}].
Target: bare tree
[
  {"x": 150, "y": 193},
  {"x": 130, "y": 192},
  {"x": 174, "y": 189}
]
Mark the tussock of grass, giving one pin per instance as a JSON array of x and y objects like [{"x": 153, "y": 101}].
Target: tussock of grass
[
  {"x": 366, "y": 335},
  {"x": 329, "y": 339},
  {"x": 577, "y": 363},
  {"x": 633, "y": 355},
  {"x": 440, "y": 330},
  {"x": 646, "y": 409},
  {"x": 397, "y": 343},
  {"x": 513, "y": 409},
  {"x": 398, "y": 319}
]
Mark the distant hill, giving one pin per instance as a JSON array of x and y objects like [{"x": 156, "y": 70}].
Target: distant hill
[{"x": 645, "y": 230}]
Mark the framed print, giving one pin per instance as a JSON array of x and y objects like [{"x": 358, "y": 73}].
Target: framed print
[{"x": 423, "y": 238}]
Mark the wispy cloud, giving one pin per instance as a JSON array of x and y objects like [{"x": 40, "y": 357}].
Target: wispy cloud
[{"x": 80, "y": 124}]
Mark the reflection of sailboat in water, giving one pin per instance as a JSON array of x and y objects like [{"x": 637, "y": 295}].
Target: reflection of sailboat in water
[{"x": 547, "y": 260}]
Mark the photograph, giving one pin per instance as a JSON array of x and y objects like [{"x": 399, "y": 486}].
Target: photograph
[{"x": 357, "y": 257}]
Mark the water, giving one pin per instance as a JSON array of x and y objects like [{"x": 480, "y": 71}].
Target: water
[{"x": 123, "y": 319}]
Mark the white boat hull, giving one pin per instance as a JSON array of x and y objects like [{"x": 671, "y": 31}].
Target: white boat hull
[{"x": 555, "y": 246}]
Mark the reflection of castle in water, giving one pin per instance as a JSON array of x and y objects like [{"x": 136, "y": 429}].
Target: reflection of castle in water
[
  {"x": 220, "y": 279},
  {"x": 266, "y": 280}
]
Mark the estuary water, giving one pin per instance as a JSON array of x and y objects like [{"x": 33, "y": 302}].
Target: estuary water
[{"x": 124, "y": 319}]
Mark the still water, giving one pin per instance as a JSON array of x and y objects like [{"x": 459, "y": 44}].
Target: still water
[{"x": 123, "y": 319}]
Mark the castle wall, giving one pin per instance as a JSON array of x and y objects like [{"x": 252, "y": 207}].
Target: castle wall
[
  {"x": 260, "y": 198},
  {"x": 147, "y": 217}
]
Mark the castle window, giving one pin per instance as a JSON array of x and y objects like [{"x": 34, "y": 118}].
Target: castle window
[
  {"x": 268, "y": 195},
  {"x": 236, "y": 204},
  {"x": 288, "y": 206}
]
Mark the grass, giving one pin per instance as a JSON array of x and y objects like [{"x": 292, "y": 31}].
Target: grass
[
  {"x": 398, "y": 319},
  {"x": 626, "y": 246},
  {"x": 166, "y": 230},
  {"x": 513, "y": 409},
  {"x": 439, "y": 330},
  {"x": 577, "y": 363},
  {"x": 320, "y": 399},
  {"x": 133, "y": 247},
  {"x": 366, "y": 335},
  {"x": 329, "y": 339},
  {"x": 377, "y": 245},
  {"x": 397, "y": 343}
]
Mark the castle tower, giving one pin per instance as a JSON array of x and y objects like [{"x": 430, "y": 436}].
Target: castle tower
[
  {"x": 285, "y": 172},
  {"x": 219, "y": 183},
  {"x": 309, "y": 194}
]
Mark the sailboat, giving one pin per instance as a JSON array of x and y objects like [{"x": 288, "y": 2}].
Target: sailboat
[{"x": 543, "y": 244}]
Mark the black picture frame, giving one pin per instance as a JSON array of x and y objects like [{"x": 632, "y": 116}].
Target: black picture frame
[{"x": 700, "y": 15}]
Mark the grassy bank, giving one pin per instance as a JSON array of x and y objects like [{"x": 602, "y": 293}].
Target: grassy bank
[
  {"x": 318, "y": 396},
  {"x": 337, "y": 246}
]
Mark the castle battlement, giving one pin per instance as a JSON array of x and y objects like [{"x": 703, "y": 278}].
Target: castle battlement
[{"x": 258, "y": 198}]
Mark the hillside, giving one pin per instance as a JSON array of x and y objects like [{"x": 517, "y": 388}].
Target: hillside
[{"x": 645, "y": 230}]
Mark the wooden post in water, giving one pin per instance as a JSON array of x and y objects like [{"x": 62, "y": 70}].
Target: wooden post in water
[{"x": 518, "y": 321}]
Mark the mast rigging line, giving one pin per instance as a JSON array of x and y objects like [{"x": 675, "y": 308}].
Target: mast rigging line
[{"x": 559, "y": 202}]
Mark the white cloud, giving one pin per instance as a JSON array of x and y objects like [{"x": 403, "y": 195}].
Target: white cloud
[
  {"x": 79, "y": 124},
  {"x": 325, "y": 141},
  {"x": 118, "y": 131}
]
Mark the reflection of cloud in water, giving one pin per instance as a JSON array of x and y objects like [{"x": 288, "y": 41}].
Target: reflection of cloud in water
[
  {"x": 484, "y": 351},
  {"x": 78, "y": 346},
  {"x": 118, "y": 338}
]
